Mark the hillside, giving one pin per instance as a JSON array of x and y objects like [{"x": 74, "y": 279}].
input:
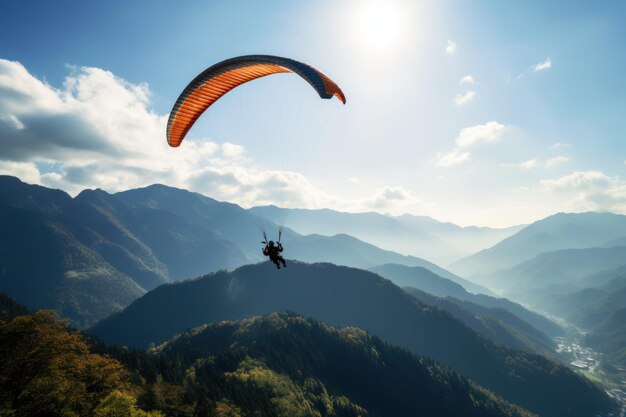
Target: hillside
[
  {"x": 431, "y": 283},
  {"x": 495, "y": 324},
  {"x": 609, "y": 337},
  {"x": 344, "y": 296},
  {"x": 40, "y": 249},
  {"x": 556, "y": 232}
]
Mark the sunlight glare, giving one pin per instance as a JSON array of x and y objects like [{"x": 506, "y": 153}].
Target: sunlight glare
[{"x": 378, "y": 24}]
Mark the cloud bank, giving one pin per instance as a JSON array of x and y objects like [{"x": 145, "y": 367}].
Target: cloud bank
[
  {"x": 468, "y": 137},
  {"x": 98, "y": 130},
  {"x": 589, "y": 191}
]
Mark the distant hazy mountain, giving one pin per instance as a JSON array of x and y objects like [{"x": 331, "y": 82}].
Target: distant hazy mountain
[
  {"x": 557, "y": 272},
  {"x": 593, "y": 313},
  {"x": 88, "y": 256},
  {"x": 294, "y": 366},
  {"x": 350, "y": 297},
  {"x": 429, "y": 282},
  {"x": 589, "y": 306},
  {"x": 560, "y": 231},
  {"x": 496, "y": 324},
  {"x": 421, "y": 236},
  {"x": 243, "y": 228}
]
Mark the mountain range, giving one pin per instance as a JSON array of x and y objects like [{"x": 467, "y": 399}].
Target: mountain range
[
  {"x": 93, "y": 254},
  {"x": 422, "y": 236},
  {"x": 556, "y": 232}
]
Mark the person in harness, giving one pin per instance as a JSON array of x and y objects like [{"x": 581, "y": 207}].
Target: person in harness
[{"x": 273, "y": 251}]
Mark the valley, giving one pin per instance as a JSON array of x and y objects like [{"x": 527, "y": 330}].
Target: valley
[{"x": 588, "y": 362}]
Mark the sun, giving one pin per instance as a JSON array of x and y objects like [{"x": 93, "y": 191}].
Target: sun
[{"x": 378, "y": 24}]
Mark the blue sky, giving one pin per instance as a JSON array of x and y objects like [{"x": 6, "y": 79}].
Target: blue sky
[{"x": 484, "y": 112}]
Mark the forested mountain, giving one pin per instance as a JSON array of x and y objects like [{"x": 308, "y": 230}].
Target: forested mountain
[
  {"x": 278, "y": 365},
  {"x": 431, "y": 283},
  {"x": 349, "y": 297},
  {"x": 496, "y": 324},
  {"x": 556, "y": 232},
  {"x": 304, "y": 367},
  {"x": 421, "y": 236}
]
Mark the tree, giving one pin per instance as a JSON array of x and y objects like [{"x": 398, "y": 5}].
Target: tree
[
  {"x": 47, "y": 370},
  {"x": 120, "y": 404}
]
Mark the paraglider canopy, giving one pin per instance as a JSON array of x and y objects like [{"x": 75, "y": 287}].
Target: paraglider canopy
[{"x": 220, "y": 78}]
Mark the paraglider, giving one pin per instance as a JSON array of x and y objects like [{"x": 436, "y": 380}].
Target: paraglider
[
  {"x": 273, "y": 251},
  {"x": 217, "y": 80},
  {"x": 222, "y": 77}
]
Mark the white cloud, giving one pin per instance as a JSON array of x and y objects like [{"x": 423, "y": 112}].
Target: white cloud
[
  {"x": 489, "y": 132},
  {"x": 451, "y": 47},
  {"x": 579, "y": 180},
  {"x": 354, "y": 180},
  {"x": 232, "y": 151},
  {"x": 27, "y": 171},
  {"x": 97, "y": 130},
  {"x": 559, "y": 145},
  {"x": 590, "y": 191},
  {"x": 557, "y": 160},
  {"x": 542, "y": 66},
  {"x": 530, "y": 164},
  {"x": 453, "y": 157},
  {"x": 463, "y": 99},
  {"x": 467, "y": 80}
]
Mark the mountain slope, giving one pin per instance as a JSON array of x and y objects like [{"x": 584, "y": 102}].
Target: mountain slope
[
  {"x": 348, "y": 297},
  {"x": 495, "y": 324},
  {"x": 560, "y": 231},
  {"x": 39, "y": 250},
  {"x": 431, "y": 283},
  {"x": 609, "y": 337},
  {"x": 420, "y": 278}
]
